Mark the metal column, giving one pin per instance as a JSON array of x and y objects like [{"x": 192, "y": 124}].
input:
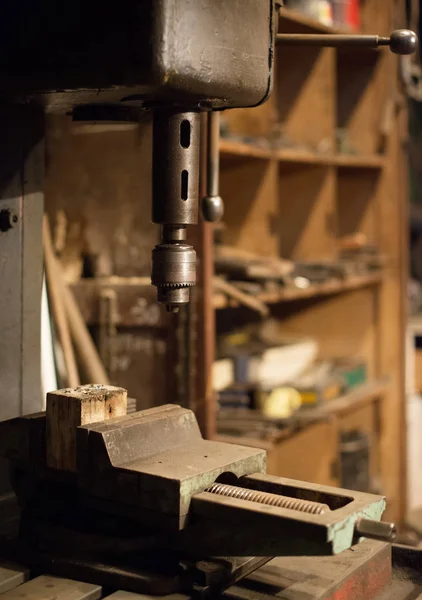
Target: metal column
[{"x": 21, "y": 259}]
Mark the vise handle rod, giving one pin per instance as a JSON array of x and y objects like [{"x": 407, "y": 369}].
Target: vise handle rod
[{"x": 402, "y": 41}]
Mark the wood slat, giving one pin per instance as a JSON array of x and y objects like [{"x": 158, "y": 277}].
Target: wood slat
[
  {"x": 12, "y": 575},
  {"x": 47, "y": 587}
]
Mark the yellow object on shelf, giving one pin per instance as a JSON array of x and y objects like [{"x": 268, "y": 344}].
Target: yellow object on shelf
[{"x": 280, "y": 403}]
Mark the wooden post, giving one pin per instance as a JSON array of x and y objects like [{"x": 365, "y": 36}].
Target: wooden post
[
  {"x": 68, "y": 409},
  {"x": 205, "y": 405}
]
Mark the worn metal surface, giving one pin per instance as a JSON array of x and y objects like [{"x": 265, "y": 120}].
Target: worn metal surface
[
  {"x": 21, "y": 180},
  {"x": 162, "y": 455},
  {"x": 150, "y": 469},
  {"x": 181, "y": 51},
  {"x": 274, "y": 531}
]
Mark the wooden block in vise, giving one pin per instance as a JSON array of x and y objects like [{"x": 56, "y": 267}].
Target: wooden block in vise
[{"x": 68, "y": 409}]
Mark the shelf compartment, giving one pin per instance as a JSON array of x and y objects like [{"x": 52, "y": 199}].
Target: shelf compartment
[
  {"x": 358, "y": 204},
  {"x": 307, "y": 208},
  {"x": 250, "y": 200}
]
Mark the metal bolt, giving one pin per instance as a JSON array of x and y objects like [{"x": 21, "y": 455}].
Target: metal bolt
[
  {"x": 8, "y": 219},
  {"x": 375, "y": 530},
  {"x": 231, "y": 491}
]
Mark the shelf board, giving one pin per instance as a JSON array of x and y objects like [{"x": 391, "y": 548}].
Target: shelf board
[
  {"x": 294, "y": 17},
  {"x": 374, "y": 161},
  {"x": 287, "y": 294},
  {"x": 231, "y": 150},
  {"x": 303, "y": 157},
  {"x": 238, "y": 420}
]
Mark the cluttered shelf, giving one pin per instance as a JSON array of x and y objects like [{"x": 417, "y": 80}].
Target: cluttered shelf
[
  {"x": 254, "y": 425},
  {"x": 233, "y": 149},
  {"x": 286, "y": 294}
]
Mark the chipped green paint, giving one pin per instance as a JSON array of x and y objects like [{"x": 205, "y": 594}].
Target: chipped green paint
[{"x": 341, "y": 534}]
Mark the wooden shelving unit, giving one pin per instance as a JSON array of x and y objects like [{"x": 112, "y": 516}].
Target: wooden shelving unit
[{"x": 298, "y": 203}]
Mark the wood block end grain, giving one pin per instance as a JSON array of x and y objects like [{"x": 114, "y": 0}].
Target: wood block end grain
[{"x": 69, "y": 408}]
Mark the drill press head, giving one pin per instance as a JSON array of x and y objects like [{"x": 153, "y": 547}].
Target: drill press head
[{"x": 175, "y": 189}]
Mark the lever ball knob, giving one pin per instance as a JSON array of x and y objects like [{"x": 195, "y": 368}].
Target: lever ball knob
[
  {"x": 212, "y": 208},
  {"x": 403, "y": 41}
]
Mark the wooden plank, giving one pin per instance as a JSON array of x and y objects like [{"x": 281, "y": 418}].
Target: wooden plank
[
  {"x": 392, "y": 300},
  {"x": 12, "y": 575},
  {"x": 68, "y": 409},
  {"x": 47, "y": 587},
  {"x": 58, "y": 308},
  {"x": 359, "y": 161}
]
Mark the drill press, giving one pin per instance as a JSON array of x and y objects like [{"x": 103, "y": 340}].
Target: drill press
[{"x": 152, "y": 474}]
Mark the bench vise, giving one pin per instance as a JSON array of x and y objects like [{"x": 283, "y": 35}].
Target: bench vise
[{"x": 154, "y": 471}]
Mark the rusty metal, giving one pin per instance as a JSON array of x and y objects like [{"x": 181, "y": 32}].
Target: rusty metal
[{"x": 231, "y": 491}]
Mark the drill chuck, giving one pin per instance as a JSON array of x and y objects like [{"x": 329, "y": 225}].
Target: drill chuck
[{"x": 173, "y": 272}]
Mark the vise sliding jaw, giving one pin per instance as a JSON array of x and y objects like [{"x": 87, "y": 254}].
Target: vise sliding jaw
[{"x": 154, "y": 469}]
